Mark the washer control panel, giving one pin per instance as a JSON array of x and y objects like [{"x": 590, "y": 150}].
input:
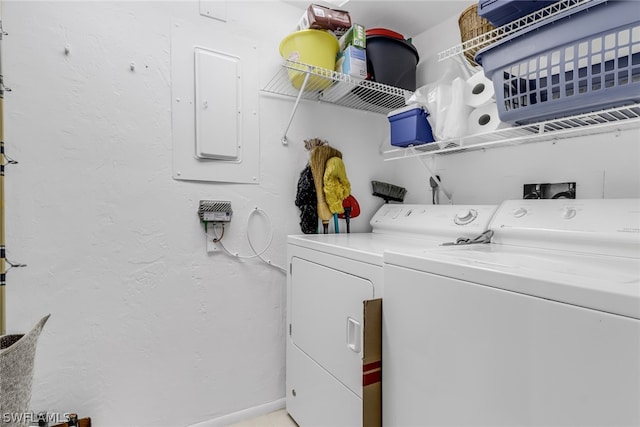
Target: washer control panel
[
  {"x": 589, "y": 225},
  {"x": 566, "y": 212},
  {"x": 430, "y": 220}
]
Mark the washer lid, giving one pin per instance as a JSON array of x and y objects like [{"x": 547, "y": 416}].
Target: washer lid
[{"x": 606, "y": 283}]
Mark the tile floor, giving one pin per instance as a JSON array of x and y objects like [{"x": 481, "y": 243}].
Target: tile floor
[{"x": 274, "y": 419}]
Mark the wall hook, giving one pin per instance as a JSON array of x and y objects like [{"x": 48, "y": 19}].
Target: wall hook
[
  {"x": 2, "y": 86},
  {"x": 7, "y": 160},
  {"x": 14, "y": 265}
]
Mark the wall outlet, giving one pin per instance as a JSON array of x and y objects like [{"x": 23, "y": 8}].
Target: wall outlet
[
  {"x": 211, "y": 245},
  {"x": 560, "y": 190}
]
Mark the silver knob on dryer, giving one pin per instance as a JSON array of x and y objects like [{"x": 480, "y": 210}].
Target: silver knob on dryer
[
  {"x": 465, "y": 216},
  {"x": 519, "y": 212},
  {"x": 568, "y": 212}
]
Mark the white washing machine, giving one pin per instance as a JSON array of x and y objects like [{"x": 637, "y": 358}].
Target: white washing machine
[
  {"x": 330, "y": 275},
  {"x": 541, "y": 327}
]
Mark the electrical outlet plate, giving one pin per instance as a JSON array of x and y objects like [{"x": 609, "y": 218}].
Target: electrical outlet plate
[
  {"x": 210, "y": 236},
  {"x": 211, "y": 245}
]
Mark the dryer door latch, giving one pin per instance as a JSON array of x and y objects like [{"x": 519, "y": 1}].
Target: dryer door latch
[{"x": 353, "y": 335}]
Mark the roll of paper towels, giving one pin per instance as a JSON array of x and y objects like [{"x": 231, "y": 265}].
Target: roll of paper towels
[
  {"x": 484, "y": 119},
  {"x": 456, "y": 113},
  {"x": 479, "y": 90}
]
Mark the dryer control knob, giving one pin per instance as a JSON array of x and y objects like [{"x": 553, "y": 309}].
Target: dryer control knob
[
  {"x": 568, "y": 213},
  {"x": 465, "y": 216},
  {"x": 520, "y": 212}
]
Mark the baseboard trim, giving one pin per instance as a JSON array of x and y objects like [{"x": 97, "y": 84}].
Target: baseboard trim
[{"x": 245, "y": 414}]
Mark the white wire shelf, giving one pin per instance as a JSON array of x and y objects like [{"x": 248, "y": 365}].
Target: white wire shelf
[
  {"x": 336, "y": 88},
  {"x": 533, "y": 18},
  {"x": 604, "y": 121},
  {"x": 303, "y": 81}
]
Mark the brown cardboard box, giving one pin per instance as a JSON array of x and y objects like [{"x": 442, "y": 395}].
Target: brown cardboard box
[
  {"x": 82, "y": 422},
  {"x": 318, "y": 17},
  {"x": 372, "y": 364}
]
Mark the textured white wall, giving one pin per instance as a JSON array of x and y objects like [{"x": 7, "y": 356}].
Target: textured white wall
[{"x": 148, "y": 329}]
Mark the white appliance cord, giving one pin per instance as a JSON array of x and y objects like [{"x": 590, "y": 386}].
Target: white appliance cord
[{"x": 256, "y": 254}]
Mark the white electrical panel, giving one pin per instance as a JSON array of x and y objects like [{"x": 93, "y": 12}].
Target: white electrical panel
[
  {"x": 215, "y": 74},
  {"x": 217, "y": 105}
]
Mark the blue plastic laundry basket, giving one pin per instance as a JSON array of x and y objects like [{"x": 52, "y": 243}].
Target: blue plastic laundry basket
[
  {"x": 500, "y": 12},
  {"x": 583, "y": 60}
]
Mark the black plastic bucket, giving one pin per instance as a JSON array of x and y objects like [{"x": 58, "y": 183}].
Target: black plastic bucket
[{"x": 391, "y": 59}]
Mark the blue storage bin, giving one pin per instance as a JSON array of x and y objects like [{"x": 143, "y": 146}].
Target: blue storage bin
[
  {"x": 500, "y": 12},
  {"x": 588, "y": 60},
  {"x": 409, "y": 126}
]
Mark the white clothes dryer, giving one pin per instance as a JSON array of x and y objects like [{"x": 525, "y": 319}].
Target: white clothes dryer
[
  {"x": 330, "y": 275},
  {"x": 541, "y": 327}
]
